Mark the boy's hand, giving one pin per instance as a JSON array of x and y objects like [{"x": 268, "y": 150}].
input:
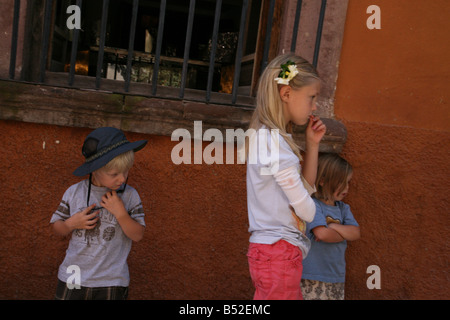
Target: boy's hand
[
  {"x": 112, "y": 203},
  {"x": 315, "y": 130},
  {"x": 84, "y": 219}
]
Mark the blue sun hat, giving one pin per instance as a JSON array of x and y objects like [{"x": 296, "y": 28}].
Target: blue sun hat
[{"x": 102, "y": 145}]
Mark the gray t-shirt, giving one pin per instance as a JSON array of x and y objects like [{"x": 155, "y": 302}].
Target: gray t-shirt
[
  {"x": 269, "y": 213},
  {"x": 100, "y": 253}
]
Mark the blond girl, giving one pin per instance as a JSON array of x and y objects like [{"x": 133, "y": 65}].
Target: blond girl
[{"x": 278, "y": 192}]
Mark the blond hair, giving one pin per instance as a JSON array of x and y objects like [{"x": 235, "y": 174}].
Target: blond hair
[
  {"x": 332, "y": 175},
  {"x": 122, "y": 163},
  {"x": 269, "y": 106}
]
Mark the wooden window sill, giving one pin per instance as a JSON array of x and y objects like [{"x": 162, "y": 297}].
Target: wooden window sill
[{"x": 70, "y": 107}]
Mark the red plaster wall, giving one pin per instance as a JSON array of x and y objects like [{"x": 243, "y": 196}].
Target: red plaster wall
[
  {"x": 196, "y": 238},
  {"x": 392, "y": 95}
]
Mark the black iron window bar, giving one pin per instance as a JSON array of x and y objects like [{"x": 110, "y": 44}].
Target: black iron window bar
[{"x": 162, "y": 13}]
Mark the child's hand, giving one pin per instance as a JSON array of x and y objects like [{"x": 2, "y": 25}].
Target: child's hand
[
  {"x": 84, "y": 219},
  {"x": 315, "y": 130},
  {"x": 112, "y": 203}
]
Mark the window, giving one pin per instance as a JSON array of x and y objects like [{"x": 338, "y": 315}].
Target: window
[
  {"x": 119, "y": 14},
  {"x": 118, "y": 59},
  {"x": 189, "y": 32},
  {"x": 172, "y": 42}
]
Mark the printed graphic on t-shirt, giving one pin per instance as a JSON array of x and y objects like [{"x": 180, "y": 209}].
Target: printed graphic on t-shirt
[
  {"x": 330, "y": 219},
  {"x": 104, "y": 230}
]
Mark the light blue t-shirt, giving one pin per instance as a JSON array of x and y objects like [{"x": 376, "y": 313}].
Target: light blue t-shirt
[{"x": 326, "y": 261}]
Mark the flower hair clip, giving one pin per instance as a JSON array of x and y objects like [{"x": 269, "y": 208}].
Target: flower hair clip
[{"x": 288, "y": 72}]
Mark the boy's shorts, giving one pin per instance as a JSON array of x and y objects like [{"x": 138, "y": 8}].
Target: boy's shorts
[
  {"x": 276, "y": 270},
  {"x": 85, "y": 293}
]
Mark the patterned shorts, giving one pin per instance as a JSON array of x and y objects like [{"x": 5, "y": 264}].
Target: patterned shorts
[
  {"x": 317, "y": 290},
  {"x": 85, "y": 293}
]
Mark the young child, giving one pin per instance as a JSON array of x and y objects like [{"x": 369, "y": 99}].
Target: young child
[
  {"x": 332, "y": 227},
  {"x": 103, "y": 215},
  {"x": 278, "y": 194}
]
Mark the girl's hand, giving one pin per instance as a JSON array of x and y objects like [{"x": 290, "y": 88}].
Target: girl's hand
[
  {"x": 112, "y": 203},
  {"x": 315, "y": 130}
]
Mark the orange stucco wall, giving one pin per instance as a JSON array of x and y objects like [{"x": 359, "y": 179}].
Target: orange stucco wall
[
  {"x": 399, "y": 74},
  {"x": 392, "y": 95},
  {"x": 196, "y": 238}
]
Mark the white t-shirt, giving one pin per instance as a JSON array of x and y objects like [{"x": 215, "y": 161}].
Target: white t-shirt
[
  {"x": 100, "y": 253},
  {"x": 271, "y": 218}
]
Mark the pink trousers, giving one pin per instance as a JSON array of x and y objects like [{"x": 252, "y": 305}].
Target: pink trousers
[{"x": 276, "y": 270}]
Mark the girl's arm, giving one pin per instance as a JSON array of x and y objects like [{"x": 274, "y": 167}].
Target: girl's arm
[
  {"x": 299, "y": 198},
  {"x": 314, "y": 133},
  {"x": 133, "y": 229},
  {"x": 348, "y": 232},
  {"x": 325, "y": 234}
]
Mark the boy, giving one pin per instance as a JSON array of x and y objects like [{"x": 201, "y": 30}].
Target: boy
[{"x": 103, "y": 215}]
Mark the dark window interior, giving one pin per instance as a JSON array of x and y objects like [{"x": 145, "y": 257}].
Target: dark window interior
[{"x": 172, "y": 52}]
